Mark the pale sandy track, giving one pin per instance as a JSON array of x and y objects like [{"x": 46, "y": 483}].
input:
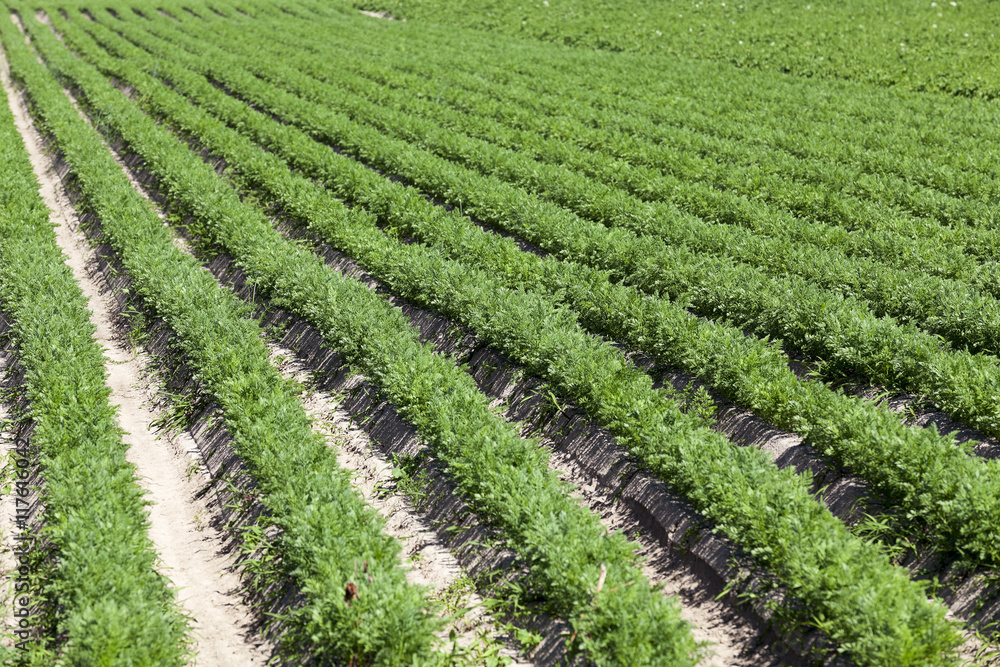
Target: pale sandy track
[
  {"x": 379, "y": 15},
  {"x": 190, "y": 550}
]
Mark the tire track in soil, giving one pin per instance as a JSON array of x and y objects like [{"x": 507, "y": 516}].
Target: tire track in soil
[{"x": 191, "y": 552}]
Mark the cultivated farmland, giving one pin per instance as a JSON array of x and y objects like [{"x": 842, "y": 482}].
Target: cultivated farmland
[{"x": 334, "y": 338}]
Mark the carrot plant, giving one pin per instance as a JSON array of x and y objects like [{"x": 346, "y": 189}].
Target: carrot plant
[
  {"x": 837, "y": 328},
  {"x": 957, "y": 495},
  {"x": 929, "y": 47},
  {"x": 822, "y": 122},
  {"x": 948, "y": 308}
]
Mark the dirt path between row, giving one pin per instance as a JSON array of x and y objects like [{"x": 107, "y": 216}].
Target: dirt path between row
[{"x": 191, "y": 552}]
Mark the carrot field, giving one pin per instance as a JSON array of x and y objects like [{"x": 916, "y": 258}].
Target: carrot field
[{"x": 476, "y": 333}]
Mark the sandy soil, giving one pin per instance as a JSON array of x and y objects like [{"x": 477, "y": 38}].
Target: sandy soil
[
  {"x": 190, "y": 551},
  {"x": 730, "y": 636}
]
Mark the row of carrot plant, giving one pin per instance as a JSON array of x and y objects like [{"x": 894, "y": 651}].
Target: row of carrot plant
[
  {"x": 842, "y": 119},
  {"x": 944, "y": 307},
  {"x": 327, "y": 532},
  {"x": 837, "y": 329},
  {"x": 100, "y": 590},
  {"x": 955, "y": 495},
  {"x": 526, "y": 326},
  {"x": 681, "y": 141},
  {"x": 504, "y": 476}
]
